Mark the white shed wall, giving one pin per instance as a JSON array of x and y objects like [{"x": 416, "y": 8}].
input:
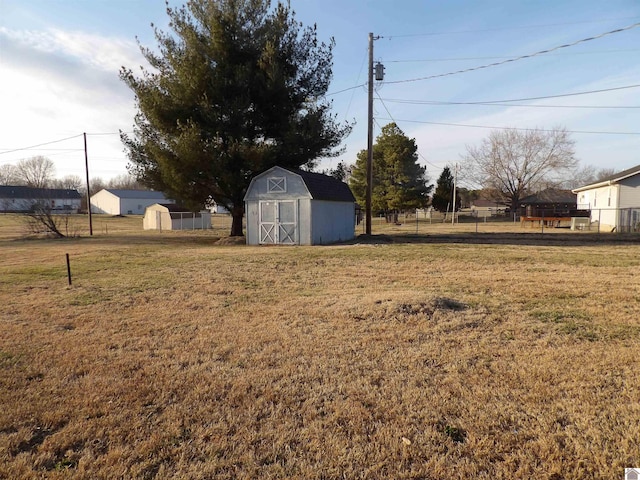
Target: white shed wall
[
  {"x": 332, "y": 222},
  {"x": 105, "y": 202}
]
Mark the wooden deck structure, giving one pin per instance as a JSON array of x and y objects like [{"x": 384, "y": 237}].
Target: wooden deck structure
[{"x": 547, "y": 221}]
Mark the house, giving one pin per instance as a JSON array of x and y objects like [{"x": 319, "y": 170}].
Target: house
[
  {"x": 125, "y": 202},
  {"x": 549, "y": 203},
  {"x": 295, "y": 207},
  {"x": 169, "y": 216},
  {"x": 19, "y": 198},
  {"x": 614, "y": 201}
]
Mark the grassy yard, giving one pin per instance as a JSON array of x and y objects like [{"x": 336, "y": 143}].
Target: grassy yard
[{"x": 439, "y": 355}]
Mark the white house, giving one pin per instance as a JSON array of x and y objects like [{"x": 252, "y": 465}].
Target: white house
[
  {"x": 614, "y": 201},
  {"x": 294, "y": 207},
  {"x": 18, "y": 198},
  {"x": 169, "y": 216},
  {"x": 125, "y": 202}
]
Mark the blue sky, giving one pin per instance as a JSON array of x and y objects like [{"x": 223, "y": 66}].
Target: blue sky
[{"x": 59, "y": 63}]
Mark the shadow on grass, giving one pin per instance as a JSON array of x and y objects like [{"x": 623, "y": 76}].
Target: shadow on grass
[{"x": 534, "y": 239}]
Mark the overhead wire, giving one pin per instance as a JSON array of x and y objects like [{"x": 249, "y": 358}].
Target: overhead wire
[
  {"x": 521, "y": 27},
  {"x": 521, "y": 57},
  {"x": 392, "y": 119},
  {"x": 508, "y": 101},
  {"x": 497, "y": 57},
  {"x": 515, "y": 128}
]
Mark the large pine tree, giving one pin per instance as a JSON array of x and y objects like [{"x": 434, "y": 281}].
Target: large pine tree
[
  {"x": 236, "y": 88},
  {"x": 399, "y": 182}
]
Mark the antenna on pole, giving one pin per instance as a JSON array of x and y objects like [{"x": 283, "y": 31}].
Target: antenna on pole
[{"x": 379, "y": 73}]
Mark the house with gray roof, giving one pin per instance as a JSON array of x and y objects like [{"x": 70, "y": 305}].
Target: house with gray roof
[
  {"x": 20, "y": 198},
  {"x": 614, "y": 201},
  {"x": 114, "y": 201},
  {"x": 288, "y": 206}
]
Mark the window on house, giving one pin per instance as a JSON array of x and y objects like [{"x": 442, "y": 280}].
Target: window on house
[{"x": 276, "y": 185}]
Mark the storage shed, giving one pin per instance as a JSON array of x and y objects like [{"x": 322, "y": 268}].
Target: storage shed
[
  {"x": 169, "y": 216},
  {"x": 125, "y": 202},
  {"x": 295, "y": 207}
]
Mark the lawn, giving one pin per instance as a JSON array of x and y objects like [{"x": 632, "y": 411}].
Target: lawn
[{"x": 439, "y": 355}]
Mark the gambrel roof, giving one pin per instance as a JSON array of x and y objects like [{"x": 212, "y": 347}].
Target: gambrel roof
[
  {"x": 610, "y": 180},
  {"x": 319, "y": 186},
  {"x": 324, "y": 187}
]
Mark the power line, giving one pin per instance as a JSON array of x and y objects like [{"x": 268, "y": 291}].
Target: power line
[
  {"x": 498, "y": 57},
  {"x": 522, "y": 27},
  {"x": 39, "y": 145},
  {"x": 514, "y": 128},
  {"x": 502, "y": 102},
  {"x": 436, "y": 103},
  {"x": 392, "y": 119},
  {"x": 521, "y": 57}
]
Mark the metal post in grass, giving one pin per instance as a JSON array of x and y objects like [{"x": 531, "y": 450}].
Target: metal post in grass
[{"x": 68, "y": 269}]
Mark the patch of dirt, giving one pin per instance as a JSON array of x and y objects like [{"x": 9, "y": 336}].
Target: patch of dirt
[{"x": 232, "y": 241}]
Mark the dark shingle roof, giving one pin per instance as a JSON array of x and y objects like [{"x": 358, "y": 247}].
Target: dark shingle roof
[
  {"x": 550, "y": 196},
  {"x": 621, "y": 175},
  {"x": 616, "y": 177},
  {"x": 324, "y": 187},
  {"x": 20, "y": 191}
]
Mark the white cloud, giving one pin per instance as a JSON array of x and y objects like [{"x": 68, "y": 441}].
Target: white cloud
[{"x": 56, "y": 84}]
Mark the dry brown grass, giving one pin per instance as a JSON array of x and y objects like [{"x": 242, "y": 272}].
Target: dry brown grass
[{"x": 173, "y": 356}]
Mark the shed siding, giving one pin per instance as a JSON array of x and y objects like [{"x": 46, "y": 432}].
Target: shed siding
[
  {"x": 105, "y": 202},
  {"x": 332, "y": 222},
  {"x": 318, "y": 221}
]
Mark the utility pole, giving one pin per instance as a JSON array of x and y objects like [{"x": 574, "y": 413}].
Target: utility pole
[
  {"x": 369, "y": 140},
  {"x": 379, "y": 76},
  {"x": 86, "y": 166},
  {"x": 455, "y": 180}
]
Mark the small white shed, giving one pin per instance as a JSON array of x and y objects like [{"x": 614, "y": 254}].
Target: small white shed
[
  {"x": 125, "y": 202},
  {"x": 295, "y": 207},
  {"x": 169, "y": 216}
]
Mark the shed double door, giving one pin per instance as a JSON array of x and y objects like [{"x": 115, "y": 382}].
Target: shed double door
[{"x": 278, "y": 222}]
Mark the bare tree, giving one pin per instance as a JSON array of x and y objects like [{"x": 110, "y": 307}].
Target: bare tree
[
  {"x": 8, "y": 175},
  {"x": 125, "y": 182},
  {"x": 41, "y": 219},
  {"x": 515, "y": 162},
  {"x": 96, "y": 184},
  {"x": 69, "y": 182},
  {"x": 36, "y": 172}
]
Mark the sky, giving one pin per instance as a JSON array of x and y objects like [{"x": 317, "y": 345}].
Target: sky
[{"x": 60, "y": 59}]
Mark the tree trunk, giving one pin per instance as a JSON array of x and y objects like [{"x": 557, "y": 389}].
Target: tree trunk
[{"x": 237, "y": 214}]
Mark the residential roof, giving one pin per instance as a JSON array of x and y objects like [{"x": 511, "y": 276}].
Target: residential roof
[
  {"x": 615, "y": 178},
  {"x": 480, "y": 202},
  {"x": 21, "y": 191},
  {"x": 173, "y": 208},
  {"x": 137, "y": 194},
  {"x": 324, "y": 187},
  {"x": 550, "y": 196}
]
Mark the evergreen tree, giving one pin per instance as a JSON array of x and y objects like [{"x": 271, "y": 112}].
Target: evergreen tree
[
  {"x": 235, "y": 89},
  {"x": 443, "y": 197},
  {"x": 399, "y": 182}
]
